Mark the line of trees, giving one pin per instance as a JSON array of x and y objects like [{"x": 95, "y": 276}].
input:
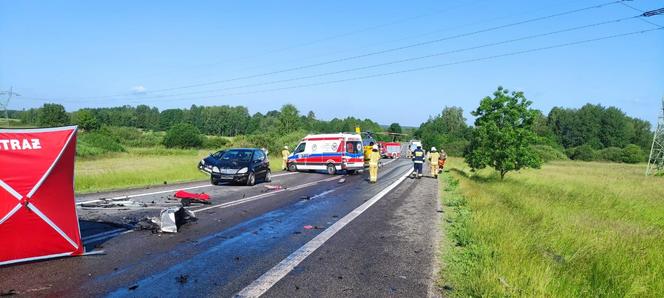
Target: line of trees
[
  {"x": 592, "y": 132},
  {"x": 212, "y": 120},
  {"x": 271, "y": 130}
]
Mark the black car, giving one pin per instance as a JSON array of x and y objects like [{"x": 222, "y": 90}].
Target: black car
[
  {"x": 242, "y": 165},
  {"x": 212, "y": 160}
]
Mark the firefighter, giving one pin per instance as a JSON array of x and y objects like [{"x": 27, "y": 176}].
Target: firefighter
[
  {"x": 441, "y": 162},
  {"x": 434, "y": 157},
  {"x": 284, "y": 158},
  {"x": 374, "y": 158},
  {"x": 418, "y": 161}
]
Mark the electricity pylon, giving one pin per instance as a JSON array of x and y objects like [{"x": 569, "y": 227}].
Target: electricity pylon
[
  {"x": 4, "y": 104},
  {"x": 656, "y": 158}
]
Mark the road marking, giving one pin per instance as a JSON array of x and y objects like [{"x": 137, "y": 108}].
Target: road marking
[
  {"x": 261, "y": 196},
  {"x": 164, "y": 191},
  {"x": 102, "y": 234},
  {"x": 322, "y": 194},
  {"x": 100, "y": 237},
  {"x": 274, "y": 275}
]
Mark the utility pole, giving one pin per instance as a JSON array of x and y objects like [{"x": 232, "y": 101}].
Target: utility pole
[
  {"x": 656, "y": 158},
  {"x": 4, "y": 104}
]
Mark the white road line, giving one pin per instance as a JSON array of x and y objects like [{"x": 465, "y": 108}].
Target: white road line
[
  {"x": 95, "y": 238},
  {"x": 166, "y": 191},
  {"x": 274, "y": 275},
  {"x": 102, "y": 234},
  {"x": 261, "y": 196},
  {"x": 322, "y": 194}
]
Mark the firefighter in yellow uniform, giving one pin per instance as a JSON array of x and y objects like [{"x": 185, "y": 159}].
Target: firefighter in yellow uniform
[
  {"x": 434, "y": 156},
  {"x": 374, "y": 158},
  {"x": 284, "y": 158}
]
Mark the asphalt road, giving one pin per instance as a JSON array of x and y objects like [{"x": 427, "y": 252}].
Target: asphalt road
[{"x": 369, "y": 240}]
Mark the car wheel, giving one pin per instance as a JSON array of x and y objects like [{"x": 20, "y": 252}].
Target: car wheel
[
  {"x": 331, "y": 169},
  {"x": 214, "y": 181},
  {"x": 292, "y": 167},
  {"x": 268, "y": 176},
  {"x": 251, "y": 180}
]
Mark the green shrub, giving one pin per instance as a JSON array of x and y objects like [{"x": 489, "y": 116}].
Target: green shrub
[
  {"x": 85, "y": 150},
  {"x": 614, "y": 154},
  {"x": 583, "y": 152},
  {"x": 214, "y": 142},
  {"x": 183, "y": 135},
  {"x": 632, "y": 154},
  {"x": 102, "y": 141},
  {"x": 548, "y": 153}
]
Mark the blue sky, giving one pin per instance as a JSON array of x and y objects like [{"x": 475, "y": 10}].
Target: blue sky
[{"x": 79, "y": 53}]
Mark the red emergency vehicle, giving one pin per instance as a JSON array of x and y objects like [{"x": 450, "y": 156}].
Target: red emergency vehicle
[{"x": 390, "y": 149}]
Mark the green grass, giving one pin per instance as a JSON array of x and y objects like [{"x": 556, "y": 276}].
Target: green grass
[
  {"x": 571, "y": 229},
  {"x": 142, "y": 167},
  {"x": 12, "y": 123}
]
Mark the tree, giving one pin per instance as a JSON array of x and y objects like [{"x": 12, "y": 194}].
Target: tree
[
  {"x": 52, "y": 114},
  {"x": 85, "y": 120},
  {"x": 183, "y": 135},
  {"x": 170, "y": 117},
  {"x": 503, "y": 134},
  {"x": 394, "y": 128},
  {"x": 289, "y": 118}
]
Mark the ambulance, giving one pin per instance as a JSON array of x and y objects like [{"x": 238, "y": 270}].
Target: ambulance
[{"x": 328, "y": 152}]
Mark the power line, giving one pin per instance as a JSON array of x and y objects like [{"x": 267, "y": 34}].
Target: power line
[
  {"x": 645, "y": 14},
  {"x": 398, "y": 61},
  {"x": 539, "y": 49},
  {"x": 333, "y": 37},
  {"x": 5, "y": 104},
  {"x": 438, "y": 40}
]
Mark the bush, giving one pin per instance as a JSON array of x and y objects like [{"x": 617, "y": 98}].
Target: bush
[
  {"x": 101, "y": 141},
  {"x": 94, "y": 143},
  {"x": 213, "y": 142},
  {"x": 614, "y": 154},
  {"x": 548, "y": 153},
  {"x": 633, "y": 154},
  {"x": 583, "y": 152},
  {"x": 183, "y": 135}
]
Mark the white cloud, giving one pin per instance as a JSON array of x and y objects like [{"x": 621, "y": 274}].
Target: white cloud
[{"x": 140, "y": 89}]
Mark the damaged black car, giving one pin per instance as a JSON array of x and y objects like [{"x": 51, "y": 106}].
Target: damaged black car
[{"x": 241, "y": 166}]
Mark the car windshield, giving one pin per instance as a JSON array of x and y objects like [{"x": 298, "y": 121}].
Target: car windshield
[
  {"x": 393, "y": 149},
  {"x": 239, "y": 155},
  {"x": 218, "y": 154}
]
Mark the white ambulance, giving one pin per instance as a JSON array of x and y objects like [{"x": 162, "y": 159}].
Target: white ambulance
[{"x": 328, "y": 152}]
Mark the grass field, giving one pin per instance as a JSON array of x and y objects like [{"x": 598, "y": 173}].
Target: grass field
[
  {"x": 571, "y": 229},
  {"x": 141, "y": 167}
]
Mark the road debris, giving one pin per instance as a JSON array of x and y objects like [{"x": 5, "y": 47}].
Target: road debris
[
  {"x": 342, "y": 180},
  {"x": 183, "y": 279},
  {"x": 113, "y": 204},
  {"x": 274, "y": 187},
  {"x": 187, "y": 198},
  {"x": 134, "y": 287},
  {"x": 172, "y": 218}
]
